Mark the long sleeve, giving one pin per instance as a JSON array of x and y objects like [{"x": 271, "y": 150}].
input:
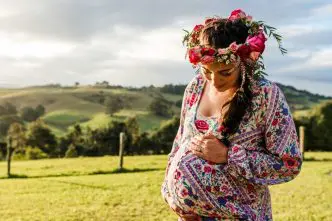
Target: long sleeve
[
  {"x": 282, "y": 160},
  {"x": 179, "y": 133}
]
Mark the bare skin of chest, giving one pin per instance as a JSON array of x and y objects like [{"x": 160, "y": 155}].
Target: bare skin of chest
[{"x": 210, "y": 104}]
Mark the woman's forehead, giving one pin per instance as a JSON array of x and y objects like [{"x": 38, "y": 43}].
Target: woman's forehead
[{"x": 217, "y": 66}]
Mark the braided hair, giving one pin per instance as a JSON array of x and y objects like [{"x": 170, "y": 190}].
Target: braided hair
[{"x": 220, "y": 34}]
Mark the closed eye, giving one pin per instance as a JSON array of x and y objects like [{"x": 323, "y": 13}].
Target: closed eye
[{"x": 225, "y": 72}]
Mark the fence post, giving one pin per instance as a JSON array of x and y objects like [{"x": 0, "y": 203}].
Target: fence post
[
  {"x": 302, "y": 136},
  {"x": 122, "y": 136}
]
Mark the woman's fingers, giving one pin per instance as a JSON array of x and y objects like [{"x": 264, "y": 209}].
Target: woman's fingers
[{"x": 190, "y": 217}]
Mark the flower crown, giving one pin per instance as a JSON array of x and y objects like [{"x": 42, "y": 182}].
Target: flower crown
[{"x": 249, "y": 52}]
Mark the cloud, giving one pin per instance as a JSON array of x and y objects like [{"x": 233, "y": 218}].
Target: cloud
[{"x": 139, "y": 42}]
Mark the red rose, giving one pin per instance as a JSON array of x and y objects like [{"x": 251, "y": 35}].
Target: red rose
[
  {"x": 243, "y": 51},
  {"x": 207, "y": 59},
  {"x": 201, "y": 125},
  {"x": 257, "y": 42},
  {"x": 238, "y": 13},
  {"x": 198, "y": 28},
  {"x": 208, "y": 51},
  {"x": 194, "y": 55}
]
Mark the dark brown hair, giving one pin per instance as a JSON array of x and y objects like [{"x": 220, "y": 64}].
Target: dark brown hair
[{"x": 220, "y": 34}]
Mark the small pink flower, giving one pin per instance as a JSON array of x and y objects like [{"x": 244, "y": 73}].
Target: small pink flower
[
  {"x": 222, "y": 51},
  {"x": 207, "y": 59},
  {"x": 233, "y": 47},
  {"x": 249, "y": 18}
]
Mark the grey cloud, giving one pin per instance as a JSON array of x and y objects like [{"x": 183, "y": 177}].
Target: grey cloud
[{"x": 81, "y": 19}]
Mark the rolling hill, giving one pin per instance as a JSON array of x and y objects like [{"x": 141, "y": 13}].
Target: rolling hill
[{"x": 66, "y": 106}]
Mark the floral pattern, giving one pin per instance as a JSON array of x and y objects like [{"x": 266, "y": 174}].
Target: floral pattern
[{"x": 264, "y": 151}]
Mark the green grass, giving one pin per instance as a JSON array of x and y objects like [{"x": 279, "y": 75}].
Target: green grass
[{"x": 92, "y": 189}]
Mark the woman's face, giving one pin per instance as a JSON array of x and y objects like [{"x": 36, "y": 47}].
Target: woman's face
[{"x": 220, "y": 75}]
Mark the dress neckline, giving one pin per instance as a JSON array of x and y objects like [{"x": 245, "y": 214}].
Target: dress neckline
[{"x": 200, "y": 92}]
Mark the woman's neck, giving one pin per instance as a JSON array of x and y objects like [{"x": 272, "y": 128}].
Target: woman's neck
[{"x": 226, "y": 89}]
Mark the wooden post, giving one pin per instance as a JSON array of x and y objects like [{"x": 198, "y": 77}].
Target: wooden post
[
  {"x": 122, "y": 136},
  {"x": 9, "y": 154},
  {"x": 302, "y": 135}
]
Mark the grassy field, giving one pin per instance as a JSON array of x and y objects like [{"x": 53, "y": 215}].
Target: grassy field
[{"x": 91, "y": 189}]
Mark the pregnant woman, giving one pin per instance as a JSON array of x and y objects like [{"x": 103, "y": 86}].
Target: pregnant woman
[{"x": 236, "y": 133}]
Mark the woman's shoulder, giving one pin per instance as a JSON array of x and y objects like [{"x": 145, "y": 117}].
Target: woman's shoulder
[
  {"x": 194, "y": 83},
  {"x": 265, "y": 88}
]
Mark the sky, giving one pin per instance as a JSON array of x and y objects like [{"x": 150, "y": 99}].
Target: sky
[{"x": 137, "y": 43}]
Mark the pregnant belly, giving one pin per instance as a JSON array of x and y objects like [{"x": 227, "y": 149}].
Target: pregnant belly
[{"x": 199, "y": 186}]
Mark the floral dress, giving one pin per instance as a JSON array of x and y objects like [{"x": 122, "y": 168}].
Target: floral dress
[{"x": 263, "y": 151}]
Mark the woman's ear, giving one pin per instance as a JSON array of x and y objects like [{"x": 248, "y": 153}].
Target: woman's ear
[{"x": 207, "y": 76}]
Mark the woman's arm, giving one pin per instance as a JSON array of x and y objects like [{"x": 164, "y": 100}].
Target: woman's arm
[
  {"x": 283, "y": 159},
  {"x": 175, "y": 146}
]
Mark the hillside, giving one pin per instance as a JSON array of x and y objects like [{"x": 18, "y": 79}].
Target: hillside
[{"x": 67, "y": 105}]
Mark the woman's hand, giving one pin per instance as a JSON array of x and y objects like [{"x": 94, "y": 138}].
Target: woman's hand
[
  {"x": 186, "y": 216},
  {"x": 211, "y": 148}
]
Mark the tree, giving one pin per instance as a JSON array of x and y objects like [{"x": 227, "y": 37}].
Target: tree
[
  {"x": 15, "y": 139},
  {"x": 6, "y": 121},
  {"x": 39, "y": 135},
  {"x": 163, "y": 138},
  {"x": 161, "y": 107},
  {"x": 30, "y": 114},
  {"x": 319, "y": 128},
  {"x": 132, "y": 134},
  {"x": 10, "y": 108},
  {"x": 114, "y": 104},
  {"x": 40, "y": 110},
  {"x": 77, "y": 84}
]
